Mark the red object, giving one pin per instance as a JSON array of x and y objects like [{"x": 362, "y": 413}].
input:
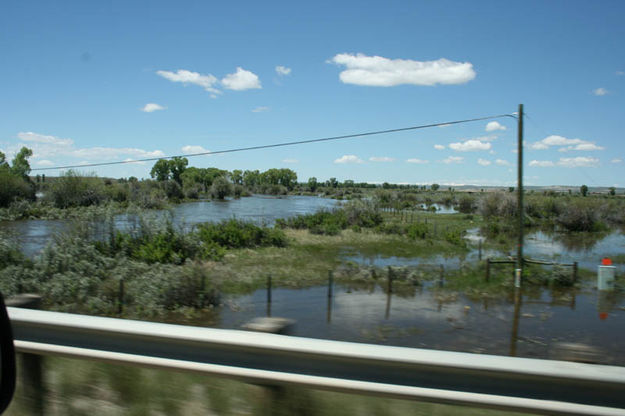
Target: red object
[
  {"x": 606, "y": 261},
  {"x": 603, "y": 316}
]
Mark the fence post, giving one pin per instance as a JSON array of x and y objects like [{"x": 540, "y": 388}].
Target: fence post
[
  {"x": 479, "y": 257},
  {"x": 120, "y": 301},
  {"x": 441, "y": 278},
  {"x": 32, "y": 377},
  {"x": 330, "y": 283},
  {"x": 574, "y": 272},
  {"x": 390, "y": 280},
  {"x": 488, "y": 269},
  {"x": 269, "y": 295}
]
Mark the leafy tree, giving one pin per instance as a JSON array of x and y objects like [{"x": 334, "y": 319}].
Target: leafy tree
[
  {"x": 612, "y": 191},
  {"x": 312, "y": 184},
  {"x": 510, "y": 188},
  {"x": 251, "y": 178},
  {"x": 237, "y": 177},
  {"x": 160, "y": 170},
  {"x": 348, "y": 183},
  {"x": 177, "y": 166},
  {"x": 20, "y": 166},
  {"x": 3, "y": 162},
  {"x": 332, "y": 183},
  {"x": 435, "y": 187},
  {"x": 584, "y": 190},
  {"x": 221, "y": 188}
]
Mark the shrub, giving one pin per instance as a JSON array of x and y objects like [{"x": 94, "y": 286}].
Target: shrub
[
  {"x": 221, "y": 188},
  {"x": 466, "y": 204},
  {"x": 13, "y": 188},
  {"x": 71, "y": 190},
  {"x": 417, "y": 230},
  {"x": 238, "y": 234}
]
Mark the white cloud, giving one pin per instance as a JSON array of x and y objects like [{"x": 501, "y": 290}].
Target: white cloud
[
  {"x": 502, "y": 162},
  {"x": 542, "y": 163},
  {"x": 193, "y": 149},
  {"x": 241, "y": 80},
  {"x": 48, "y": 148},
  {"x": 470, "y": 146},
  {"x": 151, "y": 107},
  {"x": 290, "y": 161},
  {"x": 620, "y": 73},
  {"x": 568, "y": 162},
  {"x": 378, "y": 71},
  {"x": 261, "y": 109},
  {"x": 42, "y": 138},
  {"x": 439, "y": 147},
  {"x": 578, "y": 162},
  {"x": 283, "y": 70},
  {"x": 45, "y": 162},
  {"x": 207, "y": 81},
  {"x": 417, "y": 161},
  {"x": 617, "y": 160},
  {"x": 600, "y": 92},
  {"x": 581, "y": 146},
  {"x": 494, "y": 126},
  {"x": 484, "y": 162},
  {"x": 381, "y": 159},
  {"x": 564, "y": 144},
  {"x": 453, "y": 159},
  {"x": 348, "y": 159}
]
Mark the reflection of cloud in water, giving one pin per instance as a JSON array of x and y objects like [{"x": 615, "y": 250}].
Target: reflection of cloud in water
[{"x": 361, "y": 307}]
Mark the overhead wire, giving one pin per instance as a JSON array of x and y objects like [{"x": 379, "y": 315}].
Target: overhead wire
[{"x": 282, "y": 144}]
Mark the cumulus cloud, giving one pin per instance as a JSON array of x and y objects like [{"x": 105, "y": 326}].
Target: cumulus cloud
[
  {"x": 494, "y": 126},
  {"x": 483, "y": 162},
  {"x": 151, "y": 107},
  {"x": 46, "y": 148},
  {"x": 207, "y": 81},
  {"x": 241, "y": 80},
  {"x": 193, "y": 149},
  {"x": 453, "y": 159},
  {"x": 567, "y": 162},
  {"x": 42, "y": 138},
  {"x": 617, "y": 160},
  {"x": 417, "y": 161},
  {"x": 599, "y": 92},
  {"x": 290, "y": 161},
  {"x": 261, "y": 109},
  {"x": 471, "y": 145},
  {"x": 348, "y": 159},
  {"x": 283, "y": 70},
  {"x": 439, "y": 147},
  {"x": 502, "y": 162},
  {"x": 378, "y": 71},
  {"x": 381, "y": 159},
  {"x": 565, "y": 144},
  {"x": 541, "y": 163}
]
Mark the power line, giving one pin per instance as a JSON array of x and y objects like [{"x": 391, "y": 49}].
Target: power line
[{"x": 289, "y": 143}]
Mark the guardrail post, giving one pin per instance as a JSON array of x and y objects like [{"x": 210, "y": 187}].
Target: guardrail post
[
  {"x": 488, "y": 269},
  {"x": 32, "y": 377}
]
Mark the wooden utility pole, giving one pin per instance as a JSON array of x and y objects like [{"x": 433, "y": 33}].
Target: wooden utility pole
[{"x": 519, "y": 258}]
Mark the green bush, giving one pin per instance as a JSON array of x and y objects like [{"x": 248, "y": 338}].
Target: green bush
[
  {"x": 14, "y": 188},
  {"x": 238, "y": 234}
]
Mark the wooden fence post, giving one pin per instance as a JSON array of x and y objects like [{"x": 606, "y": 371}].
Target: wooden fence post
[
  {"x": 441, "y": 278},
  {"x": 574, "y": 272},
  {"x": 330, "y": 283},
  {"x": 390, "y": 280},
  {"x": 488, "y": 269},
  {"x": 120, "y": 300}
]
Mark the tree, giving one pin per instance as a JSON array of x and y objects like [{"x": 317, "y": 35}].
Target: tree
[
  {"x": 221, "y": 188},
  {"x": 510, "y": 189},
  {"x": 237, "y": 177},
  {"x": 20, "y": 166},
  {"x": 332, "y": 183},
  {"x": 177, "y": 166},
  {"x": 584, "y": 190},
  {"x": 3, "y": 162},
  {"x": 160, "y": 170},
  {"x": 312, "y": 184},
  {"x": 435, "y": 187},
  {"x": 612, "y": 190}
]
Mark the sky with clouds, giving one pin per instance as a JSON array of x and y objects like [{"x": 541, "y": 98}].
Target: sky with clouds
[{"x": 91, "y": 82}]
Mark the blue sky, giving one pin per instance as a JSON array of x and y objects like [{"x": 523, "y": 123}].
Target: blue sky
[{"x": 89, "y": 82}]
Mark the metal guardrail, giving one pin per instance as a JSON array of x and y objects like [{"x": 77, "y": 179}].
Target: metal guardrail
[{"x": 520, "y": 384}]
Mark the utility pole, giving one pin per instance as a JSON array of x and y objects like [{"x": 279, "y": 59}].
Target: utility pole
[{"x": 519, "y": 257}]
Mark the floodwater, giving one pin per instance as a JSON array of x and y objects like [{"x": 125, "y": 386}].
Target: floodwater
[
  {"x": 434, "y": 318},
  {"x": 33, "y": 235}
]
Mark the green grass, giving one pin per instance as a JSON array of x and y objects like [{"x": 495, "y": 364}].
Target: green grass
[{"x": 84, "y": 388}]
